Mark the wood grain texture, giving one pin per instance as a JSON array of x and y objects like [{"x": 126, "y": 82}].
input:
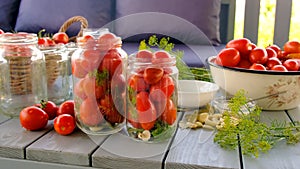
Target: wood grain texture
[
  {"x": 14, "y": 138},
  {"x": 193, "y": 149},
  {"x": 282, "y": 155},
  {"x": 120, "y": 151},
  {"x": 73, "y": 149}
]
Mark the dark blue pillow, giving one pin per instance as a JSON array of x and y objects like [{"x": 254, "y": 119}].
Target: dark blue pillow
[
  {"x": 9, "y": 12},
  {"x": 35, "y": 15},
  {"x": 190, "y": 21}
]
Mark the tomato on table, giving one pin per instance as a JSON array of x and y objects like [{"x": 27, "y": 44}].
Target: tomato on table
[
  {"x": 33, "y": 118},
  {"x": 49, "y": 107},
  {"x": 64, "y": 124},
  {"x": 67, "y": 107},
  {"x": 1, "y": 31}
]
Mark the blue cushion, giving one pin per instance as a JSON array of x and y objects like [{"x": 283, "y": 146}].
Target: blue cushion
[
  {"x": 189, "y": 21},
  {"x": 8, "y": 13},
  {"x": 35, "y": 15}
]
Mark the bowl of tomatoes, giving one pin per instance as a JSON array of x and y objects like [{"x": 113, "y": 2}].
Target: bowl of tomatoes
[{"x": 271, "y": 74}]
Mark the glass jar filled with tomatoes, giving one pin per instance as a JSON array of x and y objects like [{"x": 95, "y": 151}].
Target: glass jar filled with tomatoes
[
  {"x": 59, "y": 79},
  {"x": 151, "y": 114},
  {"x": 22, "y": 69},
  {"x": 99, "y": 82}
]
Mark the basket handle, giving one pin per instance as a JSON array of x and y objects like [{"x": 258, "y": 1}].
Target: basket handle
[{"x": 70, "y": 21}]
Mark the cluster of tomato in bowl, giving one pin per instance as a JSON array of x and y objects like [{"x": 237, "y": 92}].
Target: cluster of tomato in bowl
[
  {"x": 99, "y": 82},
  {"x": 242, "y": 53},
  {"x": 151, "y": 91}
]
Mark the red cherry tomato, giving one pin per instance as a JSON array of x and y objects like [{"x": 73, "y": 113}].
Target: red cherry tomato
[
  {"x": 79, "y": 90},
  {"x": 90, "y": 113},
  {"x": 1, "y": 31},
  {"x": 153, "y": 74},
  {"x": 257, "y": 66},
  {"x": 158, "y": 55},
  {"x": 146, "y": 111},
  {"x": 112, "y": 62},
  {"x": 244, "y": 63},
  {"x": 49, "y": 107},
  {"x": 243, "y": 45},
  {"x": 275, "y": 48},
  {"x": 228, "y": 57},
  {"x": 64, "y": 124},
  {"x": 272, "y": 62},
  {"x": 279, "y": 68},
  {"x": 258, "y": 55},
  {"x": 170, "y": 113},
  {"x": 66, "y": 107},
  {"x": 137, "y": 83},
  {"x": 144, "y": 54},
  {"x": 33, "y": 118},
  {"x": 291, "y": 65},
  {"x": 166, "y": 85},
  {"x": 271, "y": 52},
  {"x": 60, "y": 37},
  {"x": 292, "y": 47}
]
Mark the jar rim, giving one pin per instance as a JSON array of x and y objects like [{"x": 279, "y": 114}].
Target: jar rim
[{"x": 18, "y": 38}]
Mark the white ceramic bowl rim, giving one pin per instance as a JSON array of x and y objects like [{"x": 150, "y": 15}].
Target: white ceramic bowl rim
[
  {"x": 209, "y": 61},
  {"x": 212, "y": 87}
]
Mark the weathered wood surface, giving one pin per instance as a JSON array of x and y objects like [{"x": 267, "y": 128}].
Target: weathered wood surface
[
  {"x": 120, "y": 151},
  {"x": 74, "y": 149},
  {"x": 14, "y": 139},
  {"x": 282, "y": 155},
  {"x": 196, "y": 149}
]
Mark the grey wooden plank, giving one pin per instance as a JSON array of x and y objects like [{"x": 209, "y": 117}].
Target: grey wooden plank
[
  {"x": 9, "y": 163},
  {"x": 282, "y": 21},
  {"x": 252, "y": 9},
  {"x": 196, "y": 149},
  {"x": 14, "y": 138},
  {"x": 295, "y": 114},
  {"x": 281, "y": 156},
  {"x": 3, "y": 118},
  {"x": 73, "y": 149},
  {"x": 120, "y": 151}
]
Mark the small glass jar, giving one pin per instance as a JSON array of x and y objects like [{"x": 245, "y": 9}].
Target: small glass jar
[
  {"x": 99, "y": 82},
  {"x": 152, "y": 78},
  {"x": 22, "y": 69},
  {"x": 59, "y": 79}
]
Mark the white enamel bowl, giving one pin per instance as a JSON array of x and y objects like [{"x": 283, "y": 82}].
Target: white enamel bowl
[
  {"x": 195, "y": 93},
  {"x": 258, "y": 84}
]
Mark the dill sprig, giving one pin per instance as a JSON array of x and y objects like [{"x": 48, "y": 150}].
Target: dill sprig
[{"x": 246, "y": 129}]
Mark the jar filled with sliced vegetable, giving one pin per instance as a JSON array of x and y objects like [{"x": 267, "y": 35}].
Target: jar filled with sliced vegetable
[
  {"x": 99, "y": 82},
  {"x": 151, "y": 95},
  {"x": 22, "y": 69}
]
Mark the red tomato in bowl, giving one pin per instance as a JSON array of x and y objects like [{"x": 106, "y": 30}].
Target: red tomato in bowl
[
  {"x": 257, "y": 66},
  {"x": 279, "y": 68},
  {"x": 292, "y": 47},
  {"x": 243, "y": 45},
  {"x": 258, "y": 55},
  {"x": 291, "y": 65},
  {"x": 228, "y": 57},
  {"x": 272, "y": 62}
]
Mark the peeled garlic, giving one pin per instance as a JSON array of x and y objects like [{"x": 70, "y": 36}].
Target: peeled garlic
[
  {"x": 203, "y": 117},
  {"x": 145, "y": 135}
]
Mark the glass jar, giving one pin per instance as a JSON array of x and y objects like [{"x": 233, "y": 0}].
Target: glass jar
[
  {"x": 99, "y": 83},
  {"x": 22, "y": 69},
  {"x": 152, "y": 78},
  {"x": 59, "y": 79}
]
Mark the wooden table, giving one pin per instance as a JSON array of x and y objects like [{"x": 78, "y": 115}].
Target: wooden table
[{"x": 187, "y": 149}]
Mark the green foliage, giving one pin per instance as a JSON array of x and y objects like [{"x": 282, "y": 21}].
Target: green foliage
[{"x": 246, "y": 129}]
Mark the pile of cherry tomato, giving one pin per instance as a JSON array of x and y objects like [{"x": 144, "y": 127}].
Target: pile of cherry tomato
[
  {"x": 36, "y": 117},
  {"x": 99, "y": 82},
  {"x": 150, "y": 91},
  {"x": 57, "y": 38},
  {"x": 241, "y": 53}
]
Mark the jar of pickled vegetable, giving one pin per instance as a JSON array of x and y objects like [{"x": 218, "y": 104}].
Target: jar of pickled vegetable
[
  {"x": 59, "y": 80},
  {"x": 23, "y": 79},
  {"x": 99, "y": 82},
  {"x": 151, "y": 90}
]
